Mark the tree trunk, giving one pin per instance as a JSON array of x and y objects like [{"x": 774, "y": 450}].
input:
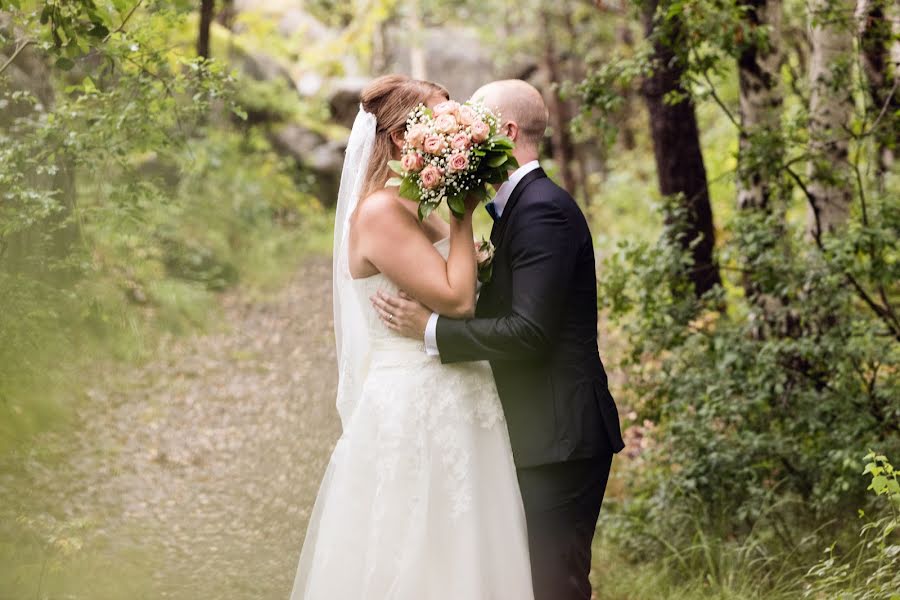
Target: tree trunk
[
  {"x": 875, "y": 34},
  {"x": 227, "y": 14},
  {"x": 563, "y": 151},
  {"x": 830, "y": 112},
  {"x": 676, "y": 147},
  {"x": 379, "y": 48},
  {"x": 207, "y": 8},
  {"x": 55, "y": 234},
  {"x": 417, "y": 65},
  {"x": 760, "y": 160},
  {"x": 761, "y": 102},
  {"x": 587, "y": 158}
]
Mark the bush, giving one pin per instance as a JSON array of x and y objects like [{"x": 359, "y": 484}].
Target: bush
[
  {"x": 870, "y": 570},
  {"x": 755, "y": 409},
  {"x": 126, "y": 200}
]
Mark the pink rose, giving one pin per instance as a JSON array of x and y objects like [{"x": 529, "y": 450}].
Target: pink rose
[
  {"x": 431, "y": 177},
  {"x": 449, "y": 107},
  {"x": 433, "y": 144},
  {"x": 484, "y": 253},
  {"x": 446, "y": 124},
  {"x": 480, "y": 131},
  {"x": 460, "y": 141},
  {"x": 412, "y": 162},
  {"x": 467, "y": 115},
  {"x": 458, "y": 162},
  {"x": 416, "y": 135}
]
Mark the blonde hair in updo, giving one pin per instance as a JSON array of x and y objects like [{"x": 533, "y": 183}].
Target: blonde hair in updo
[{"x": 390, "y": 98}]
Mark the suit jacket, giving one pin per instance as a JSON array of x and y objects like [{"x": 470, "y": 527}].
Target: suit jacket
[{"x": 536, "y": 322}]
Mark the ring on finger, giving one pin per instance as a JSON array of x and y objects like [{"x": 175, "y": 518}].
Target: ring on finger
[{"x": 391, "y": 318}]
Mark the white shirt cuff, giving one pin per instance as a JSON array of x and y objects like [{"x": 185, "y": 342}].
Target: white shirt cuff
[{"x": 431, "y": 347}]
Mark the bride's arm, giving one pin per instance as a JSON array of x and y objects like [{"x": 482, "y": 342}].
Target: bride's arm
[{"x": 391, "y": 239}]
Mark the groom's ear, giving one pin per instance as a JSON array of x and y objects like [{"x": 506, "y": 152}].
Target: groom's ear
[{"x": 512, "y": 130}]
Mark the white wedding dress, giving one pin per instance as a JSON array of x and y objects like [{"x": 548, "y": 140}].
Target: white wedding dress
[{"x": 420, "y": 500}]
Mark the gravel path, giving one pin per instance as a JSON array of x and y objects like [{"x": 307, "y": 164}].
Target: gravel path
[{"x": 195, "y": 473}]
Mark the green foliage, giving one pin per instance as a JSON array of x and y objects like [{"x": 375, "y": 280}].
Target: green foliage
[
  {"x": 750, "y": 420},
  {"x": 871, "y": 569},
  {"x": 754, "y": 398},
  {"x": 699, "y": 565},
  {"x": 126, "y": 200}
]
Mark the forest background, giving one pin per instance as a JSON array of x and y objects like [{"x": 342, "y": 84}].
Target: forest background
[{"x": 737, "y": 160}]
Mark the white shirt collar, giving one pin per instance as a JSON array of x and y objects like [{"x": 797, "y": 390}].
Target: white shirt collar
[{"x": 506, "y": 189}]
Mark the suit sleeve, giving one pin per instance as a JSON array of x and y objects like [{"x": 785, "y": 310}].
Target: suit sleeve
[{"x": 543, "y": 257}]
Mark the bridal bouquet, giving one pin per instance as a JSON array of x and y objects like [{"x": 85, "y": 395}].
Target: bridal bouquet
[{"x": 450, "y": 152}]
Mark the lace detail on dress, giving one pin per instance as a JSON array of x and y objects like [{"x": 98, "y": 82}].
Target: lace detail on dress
[{"x": 424, "y": 406}]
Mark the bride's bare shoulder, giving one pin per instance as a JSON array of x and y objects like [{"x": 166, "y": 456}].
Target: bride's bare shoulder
[{"x": 381, "y": 208}]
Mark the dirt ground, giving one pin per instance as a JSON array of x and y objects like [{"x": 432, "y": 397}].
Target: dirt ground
[{"x": 195, "y": 473}]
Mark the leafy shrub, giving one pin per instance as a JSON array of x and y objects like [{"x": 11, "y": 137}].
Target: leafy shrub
[
  {"x": 870, "y": 570},
  {"x": 755, "y": 413},
  {"x": 126, "y": 200}
]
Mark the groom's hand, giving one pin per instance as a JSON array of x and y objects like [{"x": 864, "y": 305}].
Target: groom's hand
[{"x": 403, "y": 314}]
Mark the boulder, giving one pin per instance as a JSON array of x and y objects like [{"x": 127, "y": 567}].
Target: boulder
[
  {"x": 454, "y": 57},
  {"x": 297, "y": 22},
  {"x": 29, "y": 72},
  {"x": 457, "y": 58},
  {"x": 311, "y": 151},
  {"x": 343, "y": 99},
  {"x": 262, "y": 67}
]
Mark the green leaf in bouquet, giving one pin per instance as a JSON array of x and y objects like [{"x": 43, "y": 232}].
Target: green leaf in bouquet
[
  {"x": 481, "y": 192},
  {"x": 409, "y": 189},
  {"x": 397, "y": 167},
  {"x": 485, "y": 273},
  {"x": 497, "y": 160},
  {"x": 425, "y": 209},
  {"x": 512, "y": 164},
  {"x": 501, "y": 142},
  {"x": 394, "y": 181},
  {"x": 457, "y": 204},
  {"x": 498, "y": 175}
]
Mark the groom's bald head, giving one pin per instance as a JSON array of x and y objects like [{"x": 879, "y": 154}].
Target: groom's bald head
[{"x": 521, "y": 104}]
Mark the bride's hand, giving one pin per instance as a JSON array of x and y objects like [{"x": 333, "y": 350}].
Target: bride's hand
[{"x": 472, "y": 202}]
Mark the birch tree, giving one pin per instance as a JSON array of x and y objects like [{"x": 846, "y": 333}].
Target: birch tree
[
  {"x": 761, "y": 104},
  {"x": 830, "y": 110},
  {"x": 879, "y": 37}
]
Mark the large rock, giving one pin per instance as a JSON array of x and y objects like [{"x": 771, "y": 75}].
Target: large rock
[
  {"x": 28, "y": 72},
  {"x": 343, "y": 99},
  {"x": 311, "y": 151},
  {"x": 454, "y": 57},
  {"x": 297, "y": 22},
  {"x": 262, "y": 67}
]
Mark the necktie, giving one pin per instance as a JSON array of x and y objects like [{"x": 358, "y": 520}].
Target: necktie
[{"x": 491, "y": 209}]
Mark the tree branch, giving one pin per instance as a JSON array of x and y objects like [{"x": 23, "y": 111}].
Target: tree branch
[
  {"x": 887, "y": 103},
  {"x": 715, "y": 97},
  {"x": 885, "y": 313},
  {"x": 15, "y": 54},
  {"x": 121, "y": 27}
]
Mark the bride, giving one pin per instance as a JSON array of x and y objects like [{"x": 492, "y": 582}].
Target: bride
[{"x": 420, "y": 499}]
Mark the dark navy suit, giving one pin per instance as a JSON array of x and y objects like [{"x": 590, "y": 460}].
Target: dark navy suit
[{"x": 536, "y": 322}]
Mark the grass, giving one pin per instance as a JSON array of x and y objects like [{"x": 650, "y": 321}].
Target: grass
[{"x": 705, "y": 569}]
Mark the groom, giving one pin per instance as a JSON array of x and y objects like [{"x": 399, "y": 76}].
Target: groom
[{"x": 536, "y": 322}]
